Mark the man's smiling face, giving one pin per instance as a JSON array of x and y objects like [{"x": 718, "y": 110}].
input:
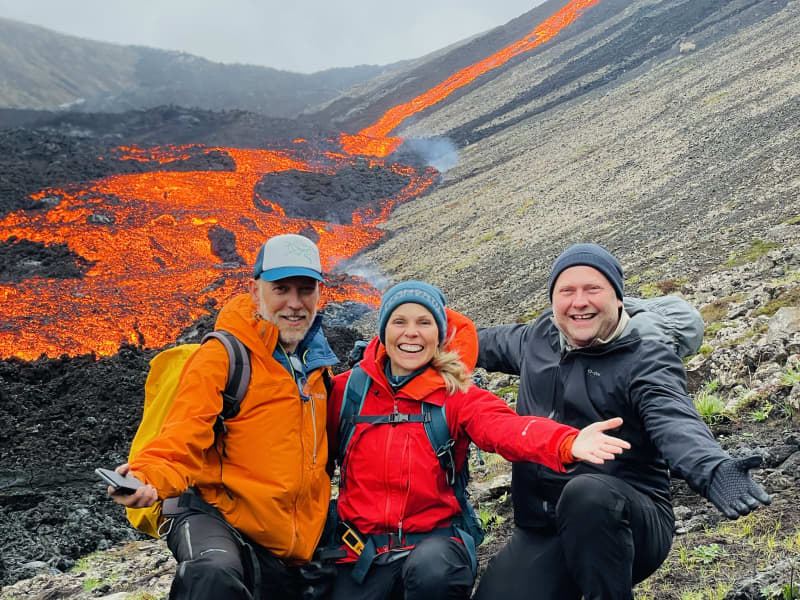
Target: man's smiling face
[
  {"x": 585, "y": 306},
  {"x": 289, "y": 303}
]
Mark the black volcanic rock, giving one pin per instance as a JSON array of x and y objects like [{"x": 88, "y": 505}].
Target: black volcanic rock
[
  {"x": 330, "y": 197},
  {"x": 223, "y": 245},
  {"x": 21, "y": 259},
  {"x": 59, "y": 150}
]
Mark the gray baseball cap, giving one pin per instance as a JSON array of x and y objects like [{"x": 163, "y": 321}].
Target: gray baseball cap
[{"x": 288, "y": 255}]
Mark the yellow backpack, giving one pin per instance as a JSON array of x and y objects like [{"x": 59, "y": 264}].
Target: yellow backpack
[{"x": 166, "y": 369}]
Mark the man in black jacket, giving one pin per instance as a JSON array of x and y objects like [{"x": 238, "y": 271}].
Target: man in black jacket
[{"x": 597, "y": 530}]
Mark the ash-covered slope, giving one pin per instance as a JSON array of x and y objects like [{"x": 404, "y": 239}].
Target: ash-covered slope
[
  {"x": 666, "y": 130},
  {"x": 601, "y": 47}
]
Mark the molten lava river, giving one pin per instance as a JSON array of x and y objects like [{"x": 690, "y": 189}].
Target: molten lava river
[{"x": 147, "y": 235}]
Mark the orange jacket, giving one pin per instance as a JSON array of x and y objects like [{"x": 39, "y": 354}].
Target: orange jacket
[{"x": 272, "y": 485}]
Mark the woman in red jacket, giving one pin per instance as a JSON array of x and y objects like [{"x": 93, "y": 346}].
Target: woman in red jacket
[{"x": 398, "y": 511}]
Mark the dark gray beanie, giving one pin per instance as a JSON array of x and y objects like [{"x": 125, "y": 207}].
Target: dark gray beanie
[
  {"x": 590, "y": 255},
  {"x": 416, "y": 292}
]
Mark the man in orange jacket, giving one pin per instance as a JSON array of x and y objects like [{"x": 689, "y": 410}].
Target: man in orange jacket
[{"x": 250, "y": 516}]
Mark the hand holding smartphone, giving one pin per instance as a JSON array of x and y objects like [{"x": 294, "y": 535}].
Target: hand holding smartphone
[{"x": 123, "y": 484}]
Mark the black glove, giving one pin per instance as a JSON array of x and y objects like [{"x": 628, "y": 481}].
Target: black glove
[
  {"x": 733, "y": 491},
  {"x": 318, "y": 577},
  {"x": 319, "y": 574}
]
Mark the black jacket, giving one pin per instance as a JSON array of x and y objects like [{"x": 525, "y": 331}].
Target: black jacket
[{"x": 641, "y": 380}]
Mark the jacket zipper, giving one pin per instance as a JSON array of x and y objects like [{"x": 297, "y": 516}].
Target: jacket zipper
[
  {"x": 386, "y": 477},
  {"x": 303, "y": 453},
  {"x": 407, "y": 460},
  {"x": 313, "y": 412},
  {"x": 311, "y": 397}
]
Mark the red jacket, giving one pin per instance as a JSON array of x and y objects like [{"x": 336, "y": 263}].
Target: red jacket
[{"x": 393, "y": 478}]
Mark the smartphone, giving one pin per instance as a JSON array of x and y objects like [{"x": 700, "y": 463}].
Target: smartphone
[{"x": 124, "y": 484}]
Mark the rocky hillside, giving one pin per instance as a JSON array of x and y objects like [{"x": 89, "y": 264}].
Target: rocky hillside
[
  {"x": 666, "y": 130},
  {"x": 42, "y": 69},
  {"x": 675, "y": 148}
]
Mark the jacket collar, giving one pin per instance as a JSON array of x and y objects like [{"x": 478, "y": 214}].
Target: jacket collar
[
  {"x": 618, "y": 332},
  {"x": 421, "y": 387}
]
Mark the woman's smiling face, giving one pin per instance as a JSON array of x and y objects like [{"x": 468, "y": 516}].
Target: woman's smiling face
[{"x": 411, "y": 338}]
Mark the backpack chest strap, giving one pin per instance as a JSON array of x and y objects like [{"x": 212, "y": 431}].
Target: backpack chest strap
[{"x": 394, "y": 418}]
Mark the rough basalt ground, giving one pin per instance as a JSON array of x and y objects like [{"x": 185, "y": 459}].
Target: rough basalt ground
[{"x": 665, "y": 129}]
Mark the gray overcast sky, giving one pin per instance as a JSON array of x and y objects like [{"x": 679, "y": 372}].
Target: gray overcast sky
[{"x": 297, "y": 36}]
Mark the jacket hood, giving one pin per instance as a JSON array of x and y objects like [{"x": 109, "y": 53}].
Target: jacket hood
[{"x": 238, "y": 317}]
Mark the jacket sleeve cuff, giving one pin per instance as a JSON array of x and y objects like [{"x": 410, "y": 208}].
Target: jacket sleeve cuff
[{"x": 565, "y": 450}]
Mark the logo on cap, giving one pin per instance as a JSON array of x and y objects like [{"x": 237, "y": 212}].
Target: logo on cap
[{"x": 288, "y": 255}]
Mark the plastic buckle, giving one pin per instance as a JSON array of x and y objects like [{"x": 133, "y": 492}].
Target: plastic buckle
[
  {"x": 396, "y": 418},
  {"x": 351, "y": 539}
]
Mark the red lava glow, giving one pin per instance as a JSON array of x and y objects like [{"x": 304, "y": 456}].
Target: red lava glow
[
  {"x": 153, "y": 267},
  {"x": 153, "y": 270},
  {"x": 394, "y": 116}
]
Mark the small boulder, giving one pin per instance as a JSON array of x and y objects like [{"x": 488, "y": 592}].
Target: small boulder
[{"x": 785, "y": 323}]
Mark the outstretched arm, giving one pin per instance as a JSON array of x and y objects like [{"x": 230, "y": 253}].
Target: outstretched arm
[
  {"x": 658, "y": 390},
  {"x": 500, "y": 348},
  {"x": 594, "y": 446},
  {"x": 493, "y": 426}
]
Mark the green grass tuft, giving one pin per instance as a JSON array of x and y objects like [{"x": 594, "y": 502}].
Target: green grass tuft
[
  {"x": 709, "y": 405},
  {"x": 788, "y": 298},
  {"x": 758, "y": 248}
]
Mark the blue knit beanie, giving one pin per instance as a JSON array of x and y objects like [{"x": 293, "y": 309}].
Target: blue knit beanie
[
  {"x": 417, "y": 292},
  {"x": 590, "y": 255}
]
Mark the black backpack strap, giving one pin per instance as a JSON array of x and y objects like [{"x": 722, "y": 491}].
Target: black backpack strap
[
  {"x": 352, "y": 401},
  {"x": 327, "y": 380},
  {"x": 439, "y": 436},
  {"x": 239, "y": 372},
  {"x": 394, "y": 418},
  {"x": 469, "y": 529}
]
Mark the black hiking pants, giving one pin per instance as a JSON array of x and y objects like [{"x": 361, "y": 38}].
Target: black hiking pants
[
  {"x": 608, "y": 536},
  {"x": 438, "y": 568},
  {"x": 215, "y": 562}
]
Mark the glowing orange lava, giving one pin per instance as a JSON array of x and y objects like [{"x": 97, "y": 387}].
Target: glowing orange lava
[
  {"x": 394, "y": 116},
  {"x": 153, "y": 267},
  {"x": 147, "y": 235}
]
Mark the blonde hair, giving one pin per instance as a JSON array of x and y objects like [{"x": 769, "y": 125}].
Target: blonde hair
[{"x": 455, "y": 374}]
